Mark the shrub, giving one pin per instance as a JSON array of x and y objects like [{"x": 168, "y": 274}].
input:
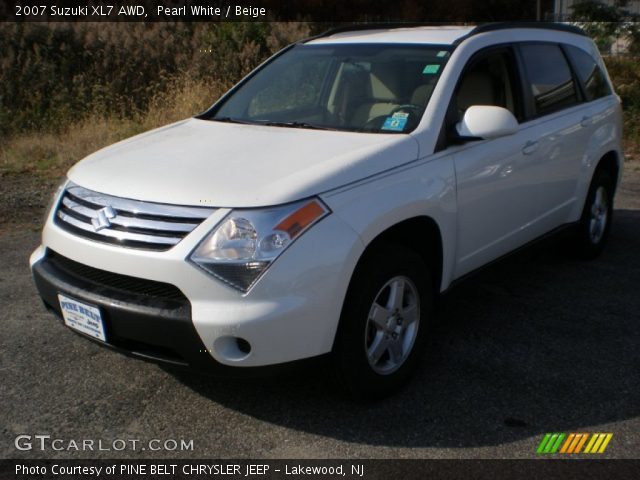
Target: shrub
[{"x": 60, "y": 73}]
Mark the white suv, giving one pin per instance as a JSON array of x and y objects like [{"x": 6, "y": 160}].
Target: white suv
[{"x": 321, "y": 204}]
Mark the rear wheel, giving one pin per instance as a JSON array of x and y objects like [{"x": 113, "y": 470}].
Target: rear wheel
[
  {"x": 592, "y": 231},
  {"x": 384, "y": 322}
]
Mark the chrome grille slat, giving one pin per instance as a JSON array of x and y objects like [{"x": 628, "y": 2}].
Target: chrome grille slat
[
  {"x": 116, "y": 234},
  {"x": 129, "y": 223}
]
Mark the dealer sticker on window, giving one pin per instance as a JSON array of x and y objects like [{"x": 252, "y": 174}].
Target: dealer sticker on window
[
  {"x": 396, "y": 122},
  {"x": 82, "y": 317}
]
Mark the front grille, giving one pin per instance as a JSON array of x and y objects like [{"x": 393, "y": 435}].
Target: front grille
[
  {"x": 121, "y": 221},
  {"x": 115, "y": 281}
]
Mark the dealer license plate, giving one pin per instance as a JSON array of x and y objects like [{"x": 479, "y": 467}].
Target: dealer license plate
[{"x": 82, "y": 317}]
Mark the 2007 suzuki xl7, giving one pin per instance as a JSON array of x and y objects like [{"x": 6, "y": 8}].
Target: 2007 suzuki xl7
[{"x": 322, "y": 203}]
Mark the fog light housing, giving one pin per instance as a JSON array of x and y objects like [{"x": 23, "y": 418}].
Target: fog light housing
[{"x": 232, "y": 349}]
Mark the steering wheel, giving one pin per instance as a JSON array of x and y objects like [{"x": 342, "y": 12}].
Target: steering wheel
[
  {"x": 413, "y": 108},
  {"x": 376, "y": 122}
]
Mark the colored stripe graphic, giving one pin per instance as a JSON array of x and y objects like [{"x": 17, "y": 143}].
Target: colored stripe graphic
[
  {"x": 598, "y": 442},
  {"x": 543, "y": 443},
  {"x": 550, "y": 443},
  {"x": 605, "y": 443},
  {"x": 578, "y": 443},
  {"x": 577, "y": 437},
  {"x": 581, "y": 442},
  {"x": 556, "y": 445},
  {"x": 594, "y": 437},
  {"x": 566, "y": 445},
  {"x": 572, "y": 443}
]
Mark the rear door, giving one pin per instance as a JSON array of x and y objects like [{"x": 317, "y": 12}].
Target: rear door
[
  {"x": 557, "y": 131},
  {"x": 599, "y": 117}
]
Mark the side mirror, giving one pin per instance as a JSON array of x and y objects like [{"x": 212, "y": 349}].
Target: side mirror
[{"x": 487, "y": 122}]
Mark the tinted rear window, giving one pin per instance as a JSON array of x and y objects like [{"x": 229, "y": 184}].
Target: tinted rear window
[
  {"x": 550, "y": 78},
  {"x": 589, "y": 72}
]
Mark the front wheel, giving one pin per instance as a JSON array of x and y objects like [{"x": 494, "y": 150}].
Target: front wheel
[{"x": 384, "y": 322}]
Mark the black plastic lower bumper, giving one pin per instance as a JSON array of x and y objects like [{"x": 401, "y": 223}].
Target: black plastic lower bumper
[{"x": 141, "y": 318}]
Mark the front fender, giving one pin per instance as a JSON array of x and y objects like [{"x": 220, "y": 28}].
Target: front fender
[{"x": 424, "y": 188}]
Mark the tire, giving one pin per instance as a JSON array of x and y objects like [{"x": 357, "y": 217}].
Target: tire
[
  {"x": 592, "y": 232},
  {"x": 381, "y": 335}
]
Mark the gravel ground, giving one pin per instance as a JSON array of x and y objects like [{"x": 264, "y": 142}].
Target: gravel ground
[{"x": 537, "y": 343}]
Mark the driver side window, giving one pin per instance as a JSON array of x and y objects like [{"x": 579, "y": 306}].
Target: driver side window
[{"x": 489, "y": 80}]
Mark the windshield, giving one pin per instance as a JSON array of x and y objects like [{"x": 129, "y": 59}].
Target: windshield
[{"x": 366, "y": 88}]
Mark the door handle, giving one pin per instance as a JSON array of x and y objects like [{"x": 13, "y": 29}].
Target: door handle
[
  {"x": 530, "y": 147},
  {"x": 586, "y": 121}
]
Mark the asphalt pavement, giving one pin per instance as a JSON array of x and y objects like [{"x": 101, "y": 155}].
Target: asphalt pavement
[{"x": 537, "y": 343}]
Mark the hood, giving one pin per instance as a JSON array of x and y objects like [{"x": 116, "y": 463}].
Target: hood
[{"x": 200, "y": 162}]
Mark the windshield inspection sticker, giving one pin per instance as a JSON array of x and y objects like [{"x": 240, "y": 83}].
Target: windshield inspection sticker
[
  {"x": 396, "y": 122},
  {"x": 442, "y": 53},
  {"x": 431, "y": 69}
]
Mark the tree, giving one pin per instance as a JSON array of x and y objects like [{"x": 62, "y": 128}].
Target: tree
[{"x": 604, "y": 21}]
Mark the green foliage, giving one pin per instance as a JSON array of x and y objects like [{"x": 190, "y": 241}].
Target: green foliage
[
  {"x": 59, "y": 73},
  {"x": 603, "y": 22},
  {"x": 625, "y": 75},
  {"x": 632, "y": 31}
]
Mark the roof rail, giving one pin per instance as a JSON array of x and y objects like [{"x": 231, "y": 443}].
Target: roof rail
[
  {"x": 491, "y": 27},
  {"x": 357, "y": 27},
  {"x": 482, "y": 28}
]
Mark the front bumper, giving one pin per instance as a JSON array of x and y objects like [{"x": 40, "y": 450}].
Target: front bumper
[
  {"x": 154, "y": 327},
  {"x": 291, "y": 314}
]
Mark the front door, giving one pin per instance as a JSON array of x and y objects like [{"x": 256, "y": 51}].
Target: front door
[{"x": 495, "y": 189}]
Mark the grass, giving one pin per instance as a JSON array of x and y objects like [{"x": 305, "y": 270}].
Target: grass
[{"x": 52, "y": 154}]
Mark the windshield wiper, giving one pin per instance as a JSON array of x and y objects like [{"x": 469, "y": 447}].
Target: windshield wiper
[
  {"x": 271, "y": 123},
  {"x": 296, "y": 125},
  {"x": 232, "y": 120}
]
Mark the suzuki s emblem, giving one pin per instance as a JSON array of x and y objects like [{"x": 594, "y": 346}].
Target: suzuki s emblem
[{"x": 102, "y": 220}]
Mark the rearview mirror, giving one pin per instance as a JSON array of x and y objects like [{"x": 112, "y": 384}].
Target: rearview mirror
[{"x": 487, "y": 122}]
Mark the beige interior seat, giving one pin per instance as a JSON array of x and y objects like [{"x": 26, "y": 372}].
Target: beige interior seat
[
  {"x": 476, "y": 89},
  {"x": 382, "y": 87}
]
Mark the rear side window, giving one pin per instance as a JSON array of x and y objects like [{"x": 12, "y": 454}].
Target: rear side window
[
  {"x": 550, "y": 79},
  {"x": 589, "y": 72}
]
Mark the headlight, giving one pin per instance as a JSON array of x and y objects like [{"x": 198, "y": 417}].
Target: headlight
[{"x": 246, "y": 242}]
